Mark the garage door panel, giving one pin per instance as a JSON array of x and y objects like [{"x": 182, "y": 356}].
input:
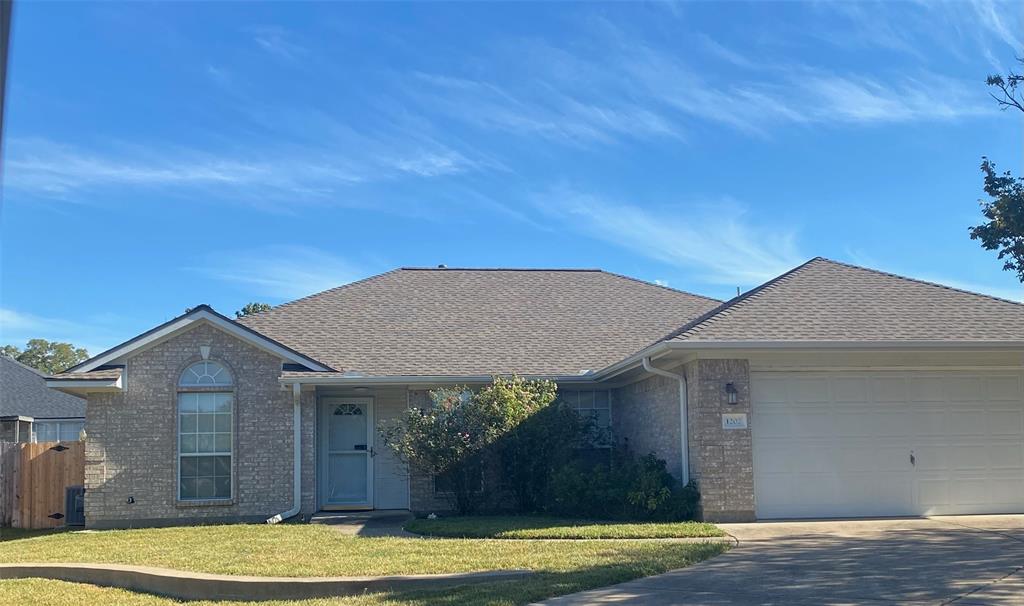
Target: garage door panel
[
  {"x": 926, "y": 389},
  {"x": 1008, "y": 491},
  {"x": 1006, "y": 422},
  {"x": 770, "y": 390},
  {"x": 777, "y": 459},
  {"x": 930, "y": 421},
  {"x": 851, "y": 389},
  {"x": 968, "y": 422},
  {"x": 1003, "y": 389},
  {"x": 889, "y": 389},
  {"x": 1008, "y": 456},
  {"x": 815, "y": 422},
  {"x": 840, "y": 444},
  {"x": 970, "y": 457},
  {"x": 810, "y": 390},
  {"x": 964, "y": 389}
]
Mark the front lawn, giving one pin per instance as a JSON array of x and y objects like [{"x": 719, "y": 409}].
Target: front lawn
[
  {"x": 311, "y": 550},
  {"x": 537, "y": 527}
]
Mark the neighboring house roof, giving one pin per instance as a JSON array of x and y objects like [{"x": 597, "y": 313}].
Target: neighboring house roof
[
  {"x": 825, "y": 300},
  {"x": 459, "y": 322},
  {"x": 23, "y": 392}
]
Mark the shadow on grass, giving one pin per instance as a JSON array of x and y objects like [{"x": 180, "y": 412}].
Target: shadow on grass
[
  {"x": 17, "y": 534},
  {"x": 529, "y": 526}
]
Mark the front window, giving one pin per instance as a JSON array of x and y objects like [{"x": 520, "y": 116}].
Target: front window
[
  {"x": 57, "y": 430},
  {"x": 594, "y": 406},
  {"x": 205, "y": 432}
]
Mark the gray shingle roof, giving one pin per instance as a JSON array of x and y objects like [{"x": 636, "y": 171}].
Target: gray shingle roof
[
  {"x": 448, "y": 322},
  {"x": 825, "y": 300},
  {"x": 23, "y": 391},
  {"x": 106, "y": 374}
]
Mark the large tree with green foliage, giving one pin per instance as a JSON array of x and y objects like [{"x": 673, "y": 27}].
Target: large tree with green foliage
[
  {"x": 252, "y": 308},
  {"x": 1003, "y": 230},
  {"x": 49, "y": 357}
]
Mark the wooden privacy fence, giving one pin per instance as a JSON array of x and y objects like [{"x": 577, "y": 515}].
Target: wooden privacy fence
[{"x": 34, "y": 479}]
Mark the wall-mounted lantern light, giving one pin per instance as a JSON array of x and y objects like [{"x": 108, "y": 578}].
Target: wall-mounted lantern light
[{"x": 730, "y": 393}]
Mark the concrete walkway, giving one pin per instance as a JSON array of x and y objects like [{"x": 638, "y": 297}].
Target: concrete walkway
[
  {"x": 960, "y": 560},
  {"x": 376, "y": 523}
]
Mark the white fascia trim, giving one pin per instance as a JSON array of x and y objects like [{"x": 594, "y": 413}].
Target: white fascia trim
[
  {"x": 186, "y": 321},
  {"x": 76, "y": 386},
  {"x": 422, "y": 380},
  {"x": 17, "y": 418},
  {"x": 847, "y": 345},
  {"x": 663, "y": 347}
]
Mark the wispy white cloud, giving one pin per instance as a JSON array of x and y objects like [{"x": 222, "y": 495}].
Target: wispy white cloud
[
  {"x": 868, "y": 100},
  {"x": 280, "y": 272},
  {"x": 997, "y": 18},
  {"x": 548, "y": 110},
  {"x": 53, "y": 169},
  {"x": 96, "y": 335},
  {"x": 277, "y": 41},
  {"x": 621, "y": 85},
  {"x": 716, "y": 242}
]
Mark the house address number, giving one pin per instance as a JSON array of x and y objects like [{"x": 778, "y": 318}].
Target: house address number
[{"x": 734, "y": 421}]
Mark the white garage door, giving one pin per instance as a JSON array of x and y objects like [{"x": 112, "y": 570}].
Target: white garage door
[{"x": 887, "y": 443}]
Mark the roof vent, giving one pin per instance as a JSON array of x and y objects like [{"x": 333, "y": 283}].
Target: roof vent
[{"x": 442, "y": 266}]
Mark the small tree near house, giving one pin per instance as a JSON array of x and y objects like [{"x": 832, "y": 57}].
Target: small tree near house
[{"x": 451, "y": 437}]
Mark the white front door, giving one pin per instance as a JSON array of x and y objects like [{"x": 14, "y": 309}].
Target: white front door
[
  {"x": 346, "y": 440},
  {"x": 883, "y": 443}
]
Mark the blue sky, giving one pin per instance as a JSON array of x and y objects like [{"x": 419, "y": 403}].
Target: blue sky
[{"x": 164, "y": 155}]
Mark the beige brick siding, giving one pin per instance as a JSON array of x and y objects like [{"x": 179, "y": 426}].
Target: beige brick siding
[
  {"x": 131, "y": 450},
  {"x": 722, "y": 460},
  {"x": 645, "y": 415}
]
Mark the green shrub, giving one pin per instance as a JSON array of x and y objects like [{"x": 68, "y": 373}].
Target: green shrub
[
  {"x": 456, "y": 436},
  {"x": 531, "y": 453},
  {"x": 629, "y": 488}
]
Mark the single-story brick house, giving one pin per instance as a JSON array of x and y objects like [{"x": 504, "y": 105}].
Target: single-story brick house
[
  {"x": 831, "y": 390},
  {"x": 30, "y": 412}
]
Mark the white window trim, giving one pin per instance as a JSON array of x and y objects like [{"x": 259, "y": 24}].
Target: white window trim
[
  {"x": 35, "y": 422},
  {"x": 177, "y": 436},
  {"x": 592, "y": 408},
  {"x": 229, "y": 389}
]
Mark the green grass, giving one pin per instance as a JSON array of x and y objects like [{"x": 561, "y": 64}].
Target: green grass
[
  {"x": 537, "y": 527},
  {"x": 301, "y": 550}
]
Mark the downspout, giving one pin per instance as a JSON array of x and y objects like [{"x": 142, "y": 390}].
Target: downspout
[
  {"x": 297, "y": 462},
  {"x": 684, "y": 429}
]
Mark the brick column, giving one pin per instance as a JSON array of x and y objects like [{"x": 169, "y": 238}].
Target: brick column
[{"x": 721, "y": 460}]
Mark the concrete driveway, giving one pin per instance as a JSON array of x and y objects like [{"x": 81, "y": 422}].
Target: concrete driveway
[{"x": 961, "y": 560}]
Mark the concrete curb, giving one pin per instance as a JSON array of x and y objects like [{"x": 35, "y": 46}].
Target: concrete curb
[
  {"x": 201, "y": 586},
  {"x": 685, "y": 540}
]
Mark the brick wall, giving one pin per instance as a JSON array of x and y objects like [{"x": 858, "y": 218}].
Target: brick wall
[
  {"x": 131, "y": 450},
  {"x": 722, "y": 461},
  {"x": 646, "y": 415}
]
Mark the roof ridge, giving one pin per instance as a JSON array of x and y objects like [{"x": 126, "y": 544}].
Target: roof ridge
[
  {"x": 736, "y": 301},
  {"x": 920, "y": 281},
  {"x": 656, "y": 285},
  {"x": 565, "y": 269}
]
